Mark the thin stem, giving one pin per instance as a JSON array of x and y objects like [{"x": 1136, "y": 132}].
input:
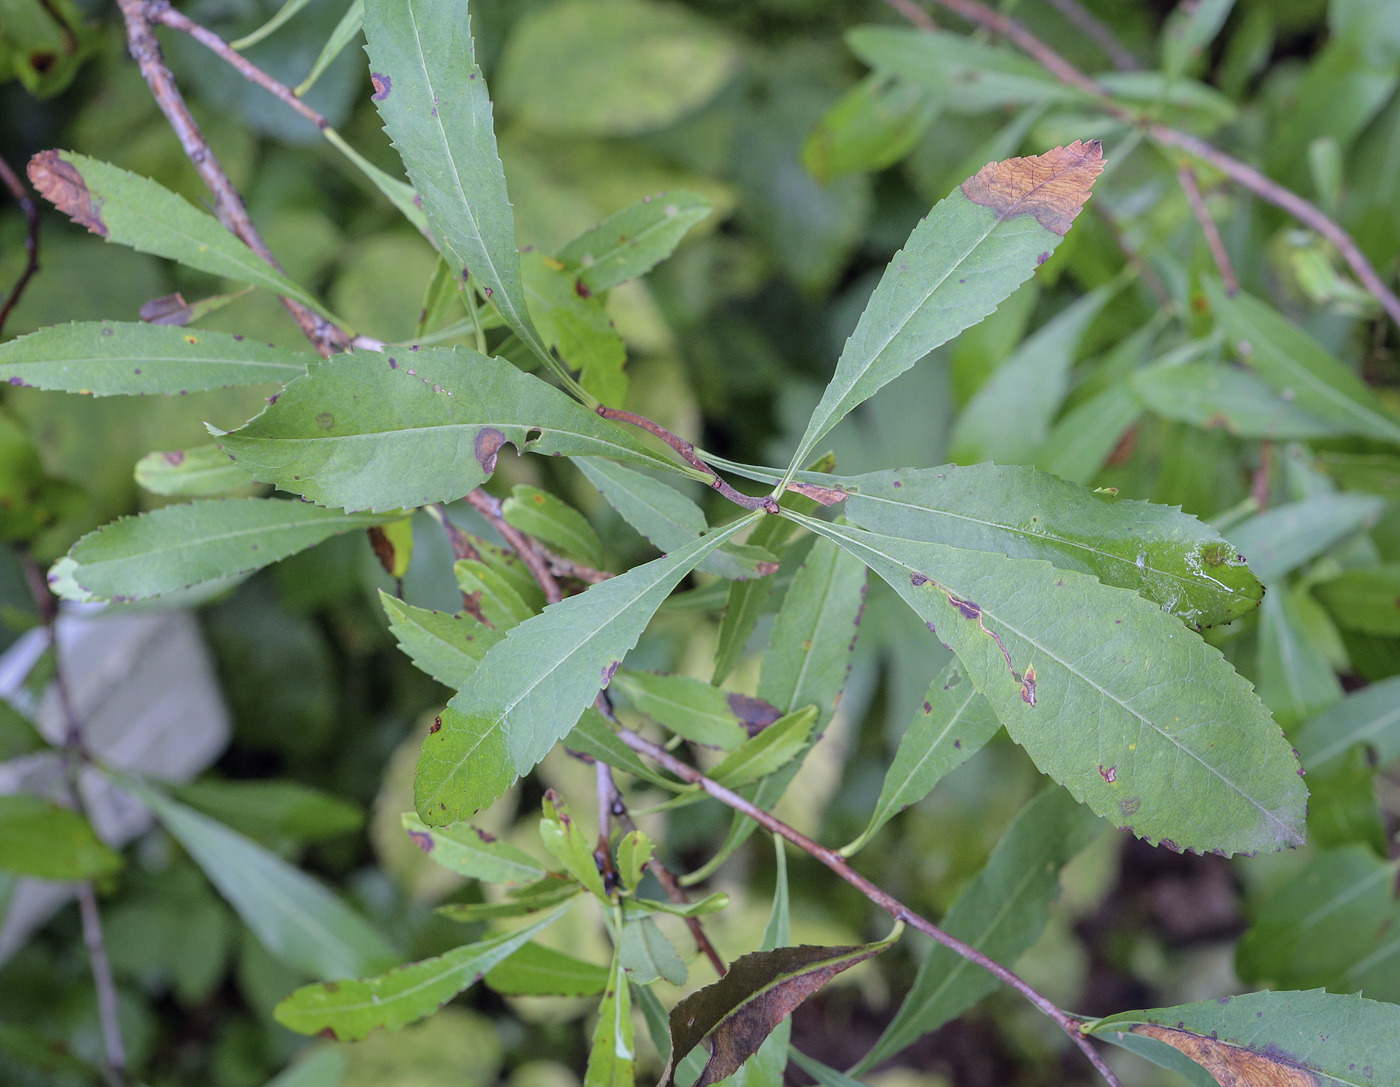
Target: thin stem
[
  {"x": 914, "y": 13},
  {"x": 562, "y": 567},
  {"x": 490, "y": 508},
  {"x": 885, "y": 901},
  {"x": 480, "y": 332},
  {"x": 228, "y": 202},
  {"x": 30, "y": 207},
  {"x": 1097, "y": 31},
  {"x": 74, "y": 755},
  {"x": 1243, "y": 174},
  {"x": 765, "y": 502},
  {"x": 1187, "y": 176}
]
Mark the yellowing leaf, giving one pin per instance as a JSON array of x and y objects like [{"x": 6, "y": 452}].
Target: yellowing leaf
[
  {"x": 1052, "y": 187},
  {"x": 1231, "y": 1065}
]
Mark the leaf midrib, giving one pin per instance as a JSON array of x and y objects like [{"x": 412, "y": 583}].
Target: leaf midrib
[
  {"x": 948, "y": 727},
  {"x": 181, "y": 545}
]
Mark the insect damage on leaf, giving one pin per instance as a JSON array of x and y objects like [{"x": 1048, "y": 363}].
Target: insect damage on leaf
[
  {"x": 59, "y": 182},
  {"x": 1053, "y": 187},
  {"x": 1231, "y": 1065}
]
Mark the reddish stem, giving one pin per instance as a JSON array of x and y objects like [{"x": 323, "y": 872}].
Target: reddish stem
[{"x": 30, "y": 207}]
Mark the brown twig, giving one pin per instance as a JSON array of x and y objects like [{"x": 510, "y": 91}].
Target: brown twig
[
  {"x": 228, "y": 202},
  {"x": 885, "y": 901},
  {"x": 160, "y": 11},
  {"x": 562, "y": 567},
  {"x": 75, "y": 755},
  {"x": 1243, "y": 174},
  {"x": 914, "y": 13},
  {"x": 490, "y": 508},
  {"x": 1187, "y": 176},
  {"x": 30, "y": 207},
  {"x": 1097, "y": 31},
  {"x": 764, "y": 502}
]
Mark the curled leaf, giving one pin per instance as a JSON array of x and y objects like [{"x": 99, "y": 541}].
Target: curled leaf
[{"x": 732, "y": 1017}]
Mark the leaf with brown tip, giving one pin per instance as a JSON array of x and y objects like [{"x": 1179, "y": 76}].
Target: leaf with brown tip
[
  {"x": 1052, "y": 187},
  {"x": 1231, "y": 1065}
]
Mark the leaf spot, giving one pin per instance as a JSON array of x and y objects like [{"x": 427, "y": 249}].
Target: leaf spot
[{"x": 1052, "y": 187}]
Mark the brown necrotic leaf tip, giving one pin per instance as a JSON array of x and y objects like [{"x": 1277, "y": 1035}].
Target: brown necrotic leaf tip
[
  {"x": 1232, "y": 1065},
  {"x": 1052, "y": 187},
  {"x": 60, "y": 183}
]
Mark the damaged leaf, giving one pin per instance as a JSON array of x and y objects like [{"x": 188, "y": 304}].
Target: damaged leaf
[
  {"x": 701, "y": 713},
  {"x": 474, "y": 853},
  {"x": 732, "y": 1017},
  {"x": 962, "y": 260}
]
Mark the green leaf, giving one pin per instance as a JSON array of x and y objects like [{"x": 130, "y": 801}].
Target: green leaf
[
  {"x": 1295, "y": 678},
  {"x": 202, "y": 472},
  {"x": 553, "y": 522},
  {"x": 1001, "y": 914},
  {"x": 1215, "y": 396},
  {"x": 577, "y": 325},
  {"x": 117, "y": 358},
  {"x": 1299, "y": 367},
  {"x": 531, "y": 688},
  {"x": 1029, "y": 387},
  {"x": 351, "y": 23},
  {"x": 1187, "y": 32},
  {"x": 612, "y": 1056},
  {"x": 594, "y": 736},
  {"x": 771, "y": 749},
  {"x": 273, "y": 811},
  {"x": 298, "y": 920},
  {"x": 669, "y": 519},
  {"x": 18, "y": 736},
  {"x": 1374, "y": 473},
  {"x": 825, "y": 1076},
  {"x": 132, "y": 210},
  {"x": 1084, "y": 438},
  {"x": 701, "y": 713},
  {"x": 1167, "y": 556},
  {"x": 1369, "y": 716},
  {"x": 370, "y": 431},
  {"x": 432, "y": 96},
  {"x": 550, "y": 891},
  {"x": 278, "y": 20},
  {"x": 747, "y": 600},
  {"x": 1137, "y": 717},
  {"x": 874, "y": 125},
  {"x": 41, "y": 839},
  {"x": 963, "y": 74},
  {"x": 1367, "y": 599},
  {"x": 447, "y": 647},
  {"x": 612, "y": 67},
  {"x": 733, "y": 1016},
  {"x": 501, "y": 606},
  {"x": 950, "y": 727},
  {"x": 634, "y": 853},
  {"x": 633, "y": 241},
  {"x": 1281, "y": 539},
  {"x": 569, "y": 846},
  {"x": 971, "y": 251},
  {"x": 1311, "y": 1039},
  {"x": 1328, "y": 917},
  {"x": 348, "y": 1010},
  {"x": 541, "y": 971},
  {"x": 647, "y": 956},
  {"x": 474, "y": 853},
  {"x": 176, "y": 547}
]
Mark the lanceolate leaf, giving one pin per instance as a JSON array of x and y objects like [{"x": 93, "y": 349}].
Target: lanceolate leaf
[
  {"x": 1217, "y": 396},
  {"x": 1167, "y": 556},
  {"x": 634, "y": 240},
  {"x": 1367, "y": 599},
  {"x": 178, "y": 546},
  {"x": 133, "y": 210},
  {"x": 1312, "y": 1039},
  {"x": 594, "y": 736},
  {"x": 375, "y": 431},
  {"x": 646, "y": 955},
  {"x": 348, "y": 1010},
  {"x": 975, "y": 248},
  {"x": 433, "y": 98},
  {"x": 612, "y": 1057},
  {"x": 733, "y": 1016},
  {"x": 473, "y": 853},
  {"x": 296, "y": 918},
  {"x": 669, "y": 519},
  {"x": 445, "y": 646},
  {"x": 531, "y": 688},
  {"x": 1137, "y": 717},
  {"x": 1299, "y": 367},
  {"x": 769, "y": 751},
  {"x": 1281, "y": 539},
  {"x": 951, "y": 726},
  {"x": 553, "y": 522},
  {"x": 116, "y": 358},
  {"x": 202, "y": 472},
  {"x": 541, "y": 971},
  {"x": 1001, "y": 913},
  {"x": 701, "y": 713},
  {"x": 1369, "y": 716},
  {"x": 41, "y": 839}
]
